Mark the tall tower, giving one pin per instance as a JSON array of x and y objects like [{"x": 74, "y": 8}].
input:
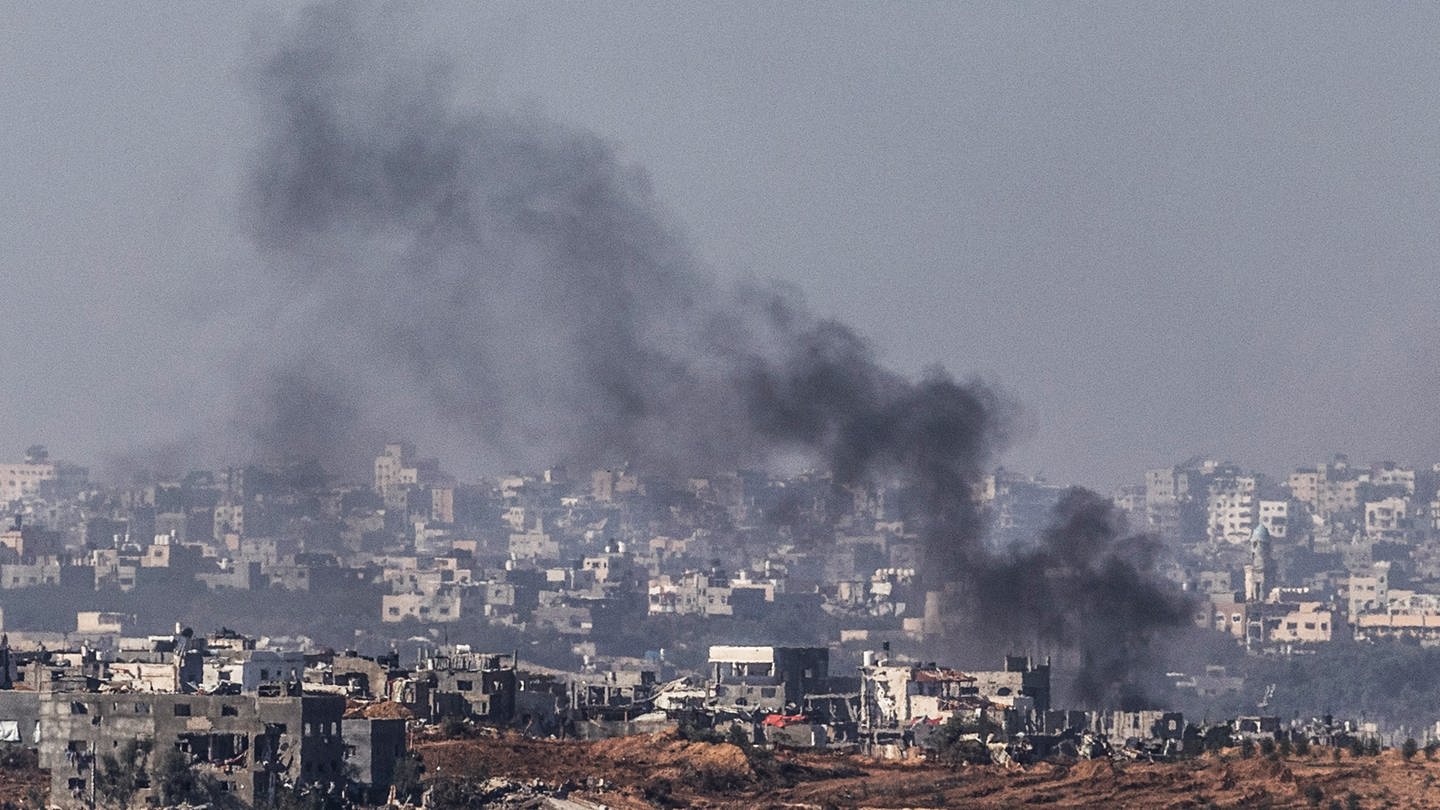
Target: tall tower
[{"x": 1261, "y": 567}]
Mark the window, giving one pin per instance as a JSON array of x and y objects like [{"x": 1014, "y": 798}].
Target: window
[
  {"x": 229, "y": 711},
  {"x": 76, "y": 707},
  {"x": 465, "y": 686},
  {"x": 182, "y": 709},
  {"x": 142, "y": 708}
]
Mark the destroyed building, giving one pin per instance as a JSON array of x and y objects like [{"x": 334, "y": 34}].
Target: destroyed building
[
  {"x": 252, "y": 745},
  {"x": 767, "y": 679}
]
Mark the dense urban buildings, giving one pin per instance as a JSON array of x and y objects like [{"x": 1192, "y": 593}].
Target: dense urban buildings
[{"x": 597, "y": 603}]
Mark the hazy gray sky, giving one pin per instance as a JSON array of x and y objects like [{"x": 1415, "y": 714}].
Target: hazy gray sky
[{"x": 1167, "y": 229}]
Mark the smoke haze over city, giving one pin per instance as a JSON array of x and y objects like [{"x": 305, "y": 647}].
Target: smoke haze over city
[
  {"x": 1036, "y": 199},
  {"x": 656, "y": 405}
]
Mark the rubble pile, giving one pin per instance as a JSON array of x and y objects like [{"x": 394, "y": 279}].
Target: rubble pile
[{"x": 377, "y": 710}]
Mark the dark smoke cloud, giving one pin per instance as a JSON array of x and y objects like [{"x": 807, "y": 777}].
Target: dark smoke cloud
[
  {"x": 510, "y": 283},
  {"x": 1084, "y": 586},
  {"x": 307, "y": 413}
]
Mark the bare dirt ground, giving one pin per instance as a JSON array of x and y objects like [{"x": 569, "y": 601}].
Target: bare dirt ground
[
  {"x": 22, "y": 783},
  {"x": 664, "y": 771}
]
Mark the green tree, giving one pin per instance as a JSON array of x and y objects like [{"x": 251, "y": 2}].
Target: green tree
[
  {"x": 954, "y": 746},
  {"x": 1409, "y": 749},
  {"x": 175, "y": 782},
  {"x": 694, "y": 732},
  {"x": 122, "y": 773},
  {"x": 738, "y": 738},
  {"x": 1217, "y": 737},
  {"x": 408, "y": 769}
]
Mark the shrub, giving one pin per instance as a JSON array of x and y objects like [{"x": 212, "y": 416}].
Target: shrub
[
  {"x": 952, "y": 746},
  {"x": 121, "y": 774},
  {"x": 738, "y": 737},
  {"x": 406, "y": 778},
  {"x": 1216, "y": 738},
  {"x": 454, "y": 794},
  {"x": 1409, "y": 749},
  {"x": 691, "y": 732},
  {"x": 175, "y": 782}
]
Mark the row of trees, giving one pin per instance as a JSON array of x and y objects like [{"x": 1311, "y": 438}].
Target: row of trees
[{"x": 121, "y": 775}]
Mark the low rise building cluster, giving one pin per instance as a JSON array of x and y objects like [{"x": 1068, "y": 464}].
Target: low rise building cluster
[
  {"x": 258, "y": 722},
  {"x": 1337, "y": 551},
  {"x": 632, "y": 597}
]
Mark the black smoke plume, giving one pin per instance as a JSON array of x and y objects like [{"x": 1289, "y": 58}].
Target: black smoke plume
[
  {"x": 511, "y": 285},
  {"x": 1086, "y": 586}
]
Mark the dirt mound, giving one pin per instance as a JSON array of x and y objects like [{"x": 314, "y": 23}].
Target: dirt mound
[
  {"x": 376, "y": 710},
  {"x": 662, "y": 770},
  {"x": 1094, "y": 770},
  {"x": 1262, "y": 770},
  {"x": 718, "y": 761}
]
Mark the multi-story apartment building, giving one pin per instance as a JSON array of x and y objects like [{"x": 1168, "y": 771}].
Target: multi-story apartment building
[{"x": 1232, "y": 508}]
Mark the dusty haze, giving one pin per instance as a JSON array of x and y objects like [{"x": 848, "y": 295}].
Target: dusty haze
[{"x": 1167, "y": 230}]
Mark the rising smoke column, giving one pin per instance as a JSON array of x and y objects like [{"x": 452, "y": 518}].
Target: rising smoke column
[
  {"x": 1085, "y": 585},
  {"x": 511, "y": 281}
]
